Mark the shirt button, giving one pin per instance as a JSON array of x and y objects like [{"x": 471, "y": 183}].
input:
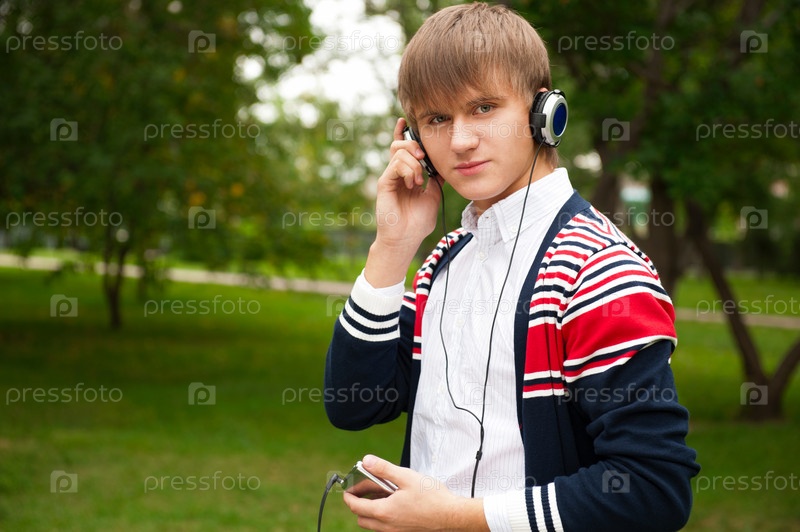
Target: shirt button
[
  {"x": 460, "y": 322},
  {"x": 482, "y": 256}
]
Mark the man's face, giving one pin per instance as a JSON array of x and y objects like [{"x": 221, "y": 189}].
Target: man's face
[{"x": 481, "y": 144}]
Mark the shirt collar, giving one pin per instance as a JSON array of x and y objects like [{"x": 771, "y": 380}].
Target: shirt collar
[{"x": 502, "y": 219}]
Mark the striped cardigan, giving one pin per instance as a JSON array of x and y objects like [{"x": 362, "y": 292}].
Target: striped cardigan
[{"x": 603, "y": 433}]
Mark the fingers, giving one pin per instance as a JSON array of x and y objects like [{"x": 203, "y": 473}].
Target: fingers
[
  {"x": 398, "y": 128},
  {"x": 401, "y": 476},
  {"x": 408, "y": 168}
]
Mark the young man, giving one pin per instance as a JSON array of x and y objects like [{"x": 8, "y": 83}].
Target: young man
[{"x": 537, "y": 333}]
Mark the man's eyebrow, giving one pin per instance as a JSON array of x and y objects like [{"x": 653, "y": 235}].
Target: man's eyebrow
[
  {"x": 481, "y": 100},
  {"x": 430, "y": 112}
]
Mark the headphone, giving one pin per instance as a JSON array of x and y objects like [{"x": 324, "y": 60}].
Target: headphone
[{"x": 548, "y": 117}]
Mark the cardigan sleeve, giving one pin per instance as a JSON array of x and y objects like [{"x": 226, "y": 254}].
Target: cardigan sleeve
[
  {"x": 618, "y": 338},
  {"x": 368, "y": 365}
]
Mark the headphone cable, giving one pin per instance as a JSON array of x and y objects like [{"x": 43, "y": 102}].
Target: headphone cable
[{"x": 480, "y": 420}]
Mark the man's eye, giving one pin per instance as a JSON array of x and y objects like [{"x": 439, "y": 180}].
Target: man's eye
[
  {"x": 438, "y": 119},
  {"x": 485, "y": 108}
]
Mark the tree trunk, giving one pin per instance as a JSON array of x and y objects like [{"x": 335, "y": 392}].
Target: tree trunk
[
  {"x": 761, "y": 397},
  {"x": 113, "y": 276}
]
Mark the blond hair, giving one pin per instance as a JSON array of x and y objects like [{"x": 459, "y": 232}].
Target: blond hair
[{"x": 472, "y": 46}]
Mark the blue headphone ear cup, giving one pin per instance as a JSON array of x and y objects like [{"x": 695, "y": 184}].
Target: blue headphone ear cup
[{"x": 548, "y": 117}]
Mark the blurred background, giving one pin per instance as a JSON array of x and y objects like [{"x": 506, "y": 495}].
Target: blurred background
[{"x": 187, "y": 195}]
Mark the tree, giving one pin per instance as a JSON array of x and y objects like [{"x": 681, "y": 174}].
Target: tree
[
  {"x": 681, "y": 96},
  {"x": 140, "y": 116}
]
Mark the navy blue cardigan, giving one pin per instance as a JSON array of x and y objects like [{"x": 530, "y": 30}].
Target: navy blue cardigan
[{"x": 603, "y": 432}]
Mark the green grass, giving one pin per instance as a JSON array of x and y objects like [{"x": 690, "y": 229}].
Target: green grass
[{"x": 266, "y": 427}]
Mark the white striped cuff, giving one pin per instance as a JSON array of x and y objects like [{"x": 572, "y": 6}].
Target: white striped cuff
[
  {"x": 378, "y": 301},
  {"x": 506, "y": 512}
]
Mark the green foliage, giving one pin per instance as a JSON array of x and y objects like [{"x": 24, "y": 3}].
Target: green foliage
[
  {"x": 160, "y": 118},
  {"x": 708, "y": 111}
]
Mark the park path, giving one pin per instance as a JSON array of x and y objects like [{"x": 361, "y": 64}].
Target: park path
[{"x": 336, "y": 288}]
